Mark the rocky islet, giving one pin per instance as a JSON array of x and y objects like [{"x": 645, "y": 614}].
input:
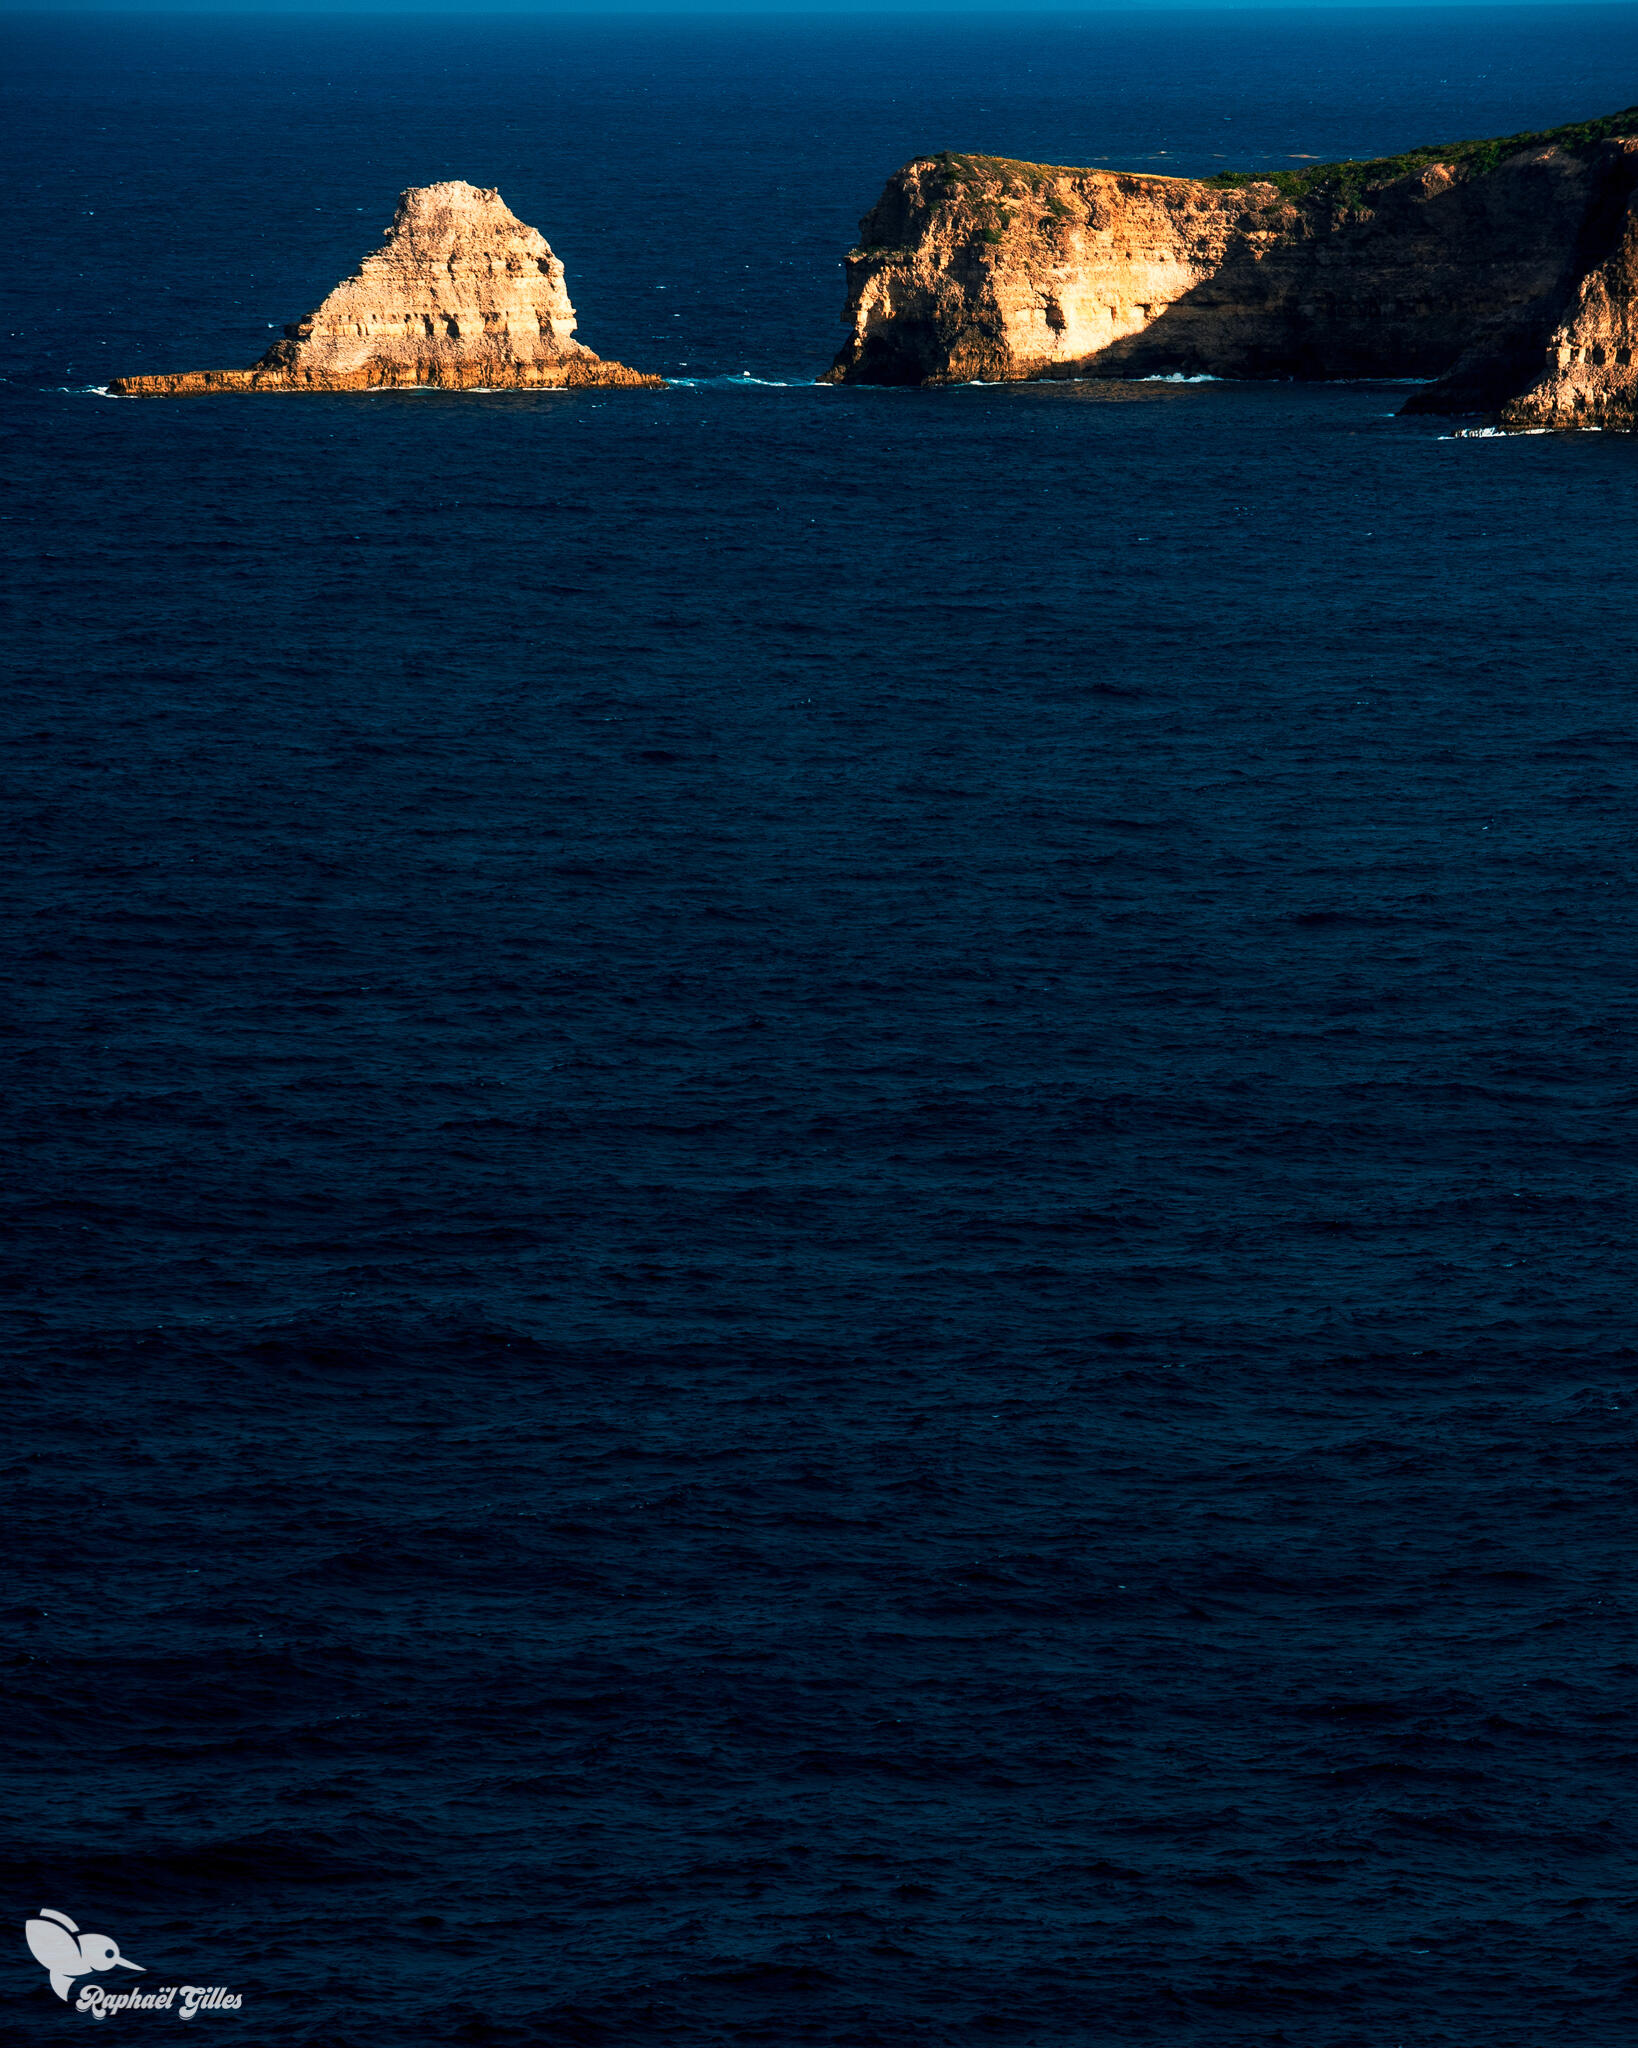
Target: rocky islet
[{"x": 462, "y": 295}]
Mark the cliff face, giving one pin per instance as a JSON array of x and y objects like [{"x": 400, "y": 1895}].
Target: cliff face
[
  {"x": 1480, "y": 272},
  {"x": 1590, "y": 379},
  {"x": 462, "y": 294}
]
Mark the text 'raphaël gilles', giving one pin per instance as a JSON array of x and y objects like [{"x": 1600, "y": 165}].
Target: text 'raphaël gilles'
[{"x": 185, "y": 2000}]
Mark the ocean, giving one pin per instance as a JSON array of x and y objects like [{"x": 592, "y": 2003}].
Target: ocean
[{"x": 856, "y": 1167}]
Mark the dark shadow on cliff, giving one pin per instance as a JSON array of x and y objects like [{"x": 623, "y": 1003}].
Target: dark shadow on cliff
[
  {"x": 1461, "y": 285},
  {"x": 1497, "y": 367},
  {"x": 906, "y": 356}
]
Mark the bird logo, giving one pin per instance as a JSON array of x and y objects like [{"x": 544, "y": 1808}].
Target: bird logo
[{"x": 57, "y": 1944}]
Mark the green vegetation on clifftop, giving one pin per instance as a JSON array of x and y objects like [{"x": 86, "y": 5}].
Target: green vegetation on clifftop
[{"x": 1345, "y": 181}]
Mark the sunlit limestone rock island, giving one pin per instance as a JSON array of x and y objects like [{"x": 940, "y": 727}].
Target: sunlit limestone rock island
[
  {"x": 1503, "y": 273},
  {"x": 461, "y": 295}
]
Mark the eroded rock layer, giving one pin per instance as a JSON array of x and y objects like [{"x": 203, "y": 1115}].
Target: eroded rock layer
[
  {"x": 1590, "y": 379},
  {"x": 1501, "y": 273},
  {"x": 462, "y": 294}
]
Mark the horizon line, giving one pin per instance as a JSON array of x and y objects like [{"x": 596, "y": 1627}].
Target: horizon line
[{"x": 770, "y": 10}]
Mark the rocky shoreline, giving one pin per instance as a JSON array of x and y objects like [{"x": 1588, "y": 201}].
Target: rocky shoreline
[
  {"x": 1505, "y": 274},
  {"x": 1502, "y": 274}
]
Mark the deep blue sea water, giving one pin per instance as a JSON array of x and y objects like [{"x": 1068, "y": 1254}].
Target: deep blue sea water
[{"x": 855, "y": 1168}]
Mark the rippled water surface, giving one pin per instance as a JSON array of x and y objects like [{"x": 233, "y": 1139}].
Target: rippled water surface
[{"x": 855, "y": 1168}]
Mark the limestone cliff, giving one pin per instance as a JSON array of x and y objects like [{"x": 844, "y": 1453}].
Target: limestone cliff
[
  {"x": 1590, "y": 379},
  {"x": 1494, "y": 270},
  {"x": 462, "y": 294}
]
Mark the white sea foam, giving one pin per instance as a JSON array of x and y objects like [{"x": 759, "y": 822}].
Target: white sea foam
[
  {"x": 742, "y": 380},
  {"x": 1177, "y": 377}
]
